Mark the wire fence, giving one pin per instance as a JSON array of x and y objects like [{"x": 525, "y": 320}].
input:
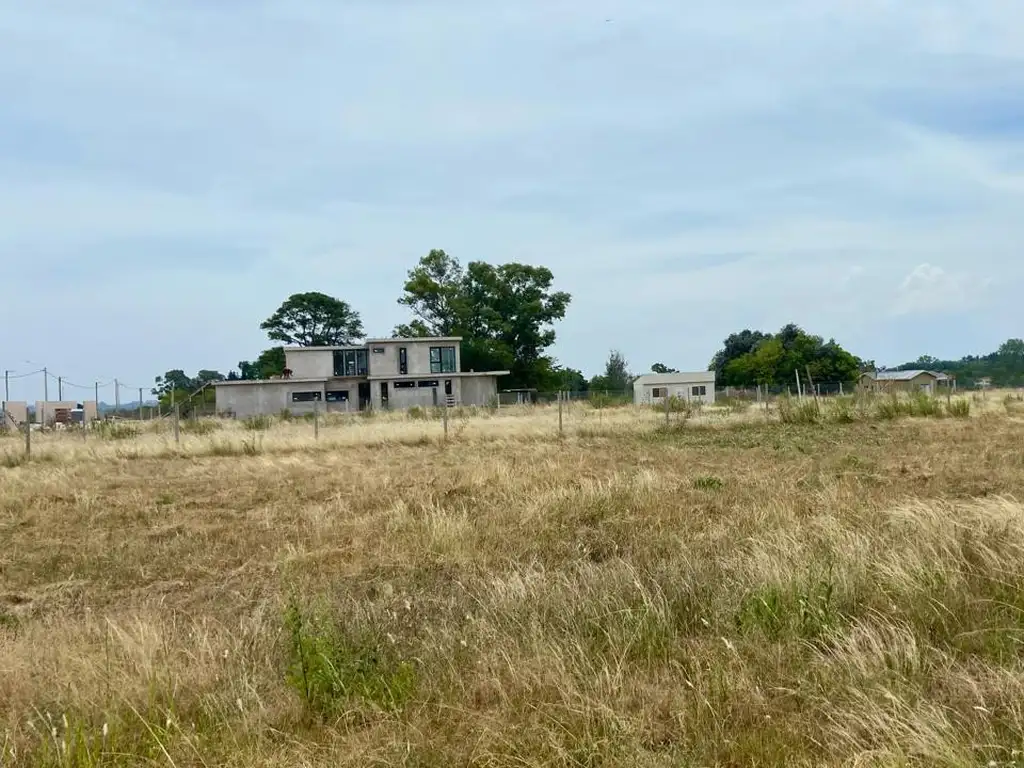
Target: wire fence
[{"x": 49, "y": 400}]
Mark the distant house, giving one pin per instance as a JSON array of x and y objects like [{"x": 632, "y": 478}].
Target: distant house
[
  {"x": 378, "y": 374},
  {"x": 903, "y": 381},
  {"x": 653, "y": 388}
]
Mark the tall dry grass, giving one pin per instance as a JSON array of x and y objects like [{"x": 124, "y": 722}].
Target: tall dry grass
[{"x": 730, "y": 590}]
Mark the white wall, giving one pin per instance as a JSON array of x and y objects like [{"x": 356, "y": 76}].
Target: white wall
[{"x": 643, "y": 391}]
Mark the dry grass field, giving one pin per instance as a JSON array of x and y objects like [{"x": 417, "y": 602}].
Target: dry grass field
[{"x": 735, "y": 589}]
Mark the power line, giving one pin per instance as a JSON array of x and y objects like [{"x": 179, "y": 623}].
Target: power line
[{"x": 25, "y": 375}]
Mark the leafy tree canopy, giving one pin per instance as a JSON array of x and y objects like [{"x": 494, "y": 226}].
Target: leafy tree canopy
[
  {"x": 616, "y": 376},
  {"x": 314, "y": 319},
  {"x": 751, "y": 357},
  {"x": 1005, "y": 366},
  {"x": 662, "y": 368},
  {"x": 504, "y": 313},
  {"x": 270, "y": 363},
  {"x": 176, "y": 388}
]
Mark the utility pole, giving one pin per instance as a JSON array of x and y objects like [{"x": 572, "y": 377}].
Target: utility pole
[
  {"x": 60, "y": 389},
  {"x": 140, "y": 403},
  {"x": 46, "y": 397},
  {"x": 117, "y": 397},
  {"x": 97, "y": 396},
  {"x": 7, "y": 386}
]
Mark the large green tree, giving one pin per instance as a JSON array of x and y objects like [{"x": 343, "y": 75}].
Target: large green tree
[
  {"x": 616, "y": 376},
  {"x": 775, "y": 359},
  {"x": 270, "y": 363},
  {"x": 736, "y": 345},
  {"x": 314, "y": 319},
  {"x": 503, "y": 312}
]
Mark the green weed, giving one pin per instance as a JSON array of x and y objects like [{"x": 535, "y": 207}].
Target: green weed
[
  {"x": 332, "y": 666},
  {"x": 959, "y": 408},
  {"x": 708, "y": 483},
  {"x": 115, "y": 430}
]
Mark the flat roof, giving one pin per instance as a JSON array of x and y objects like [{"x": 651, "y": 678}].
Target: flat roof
[
  {"x": 368, "y": 342},
  {"x": 903, "y": 375},
  {"x": 407, "y": 339},
  {"x": 324, "y": 349},
  {"x": 683, "y": 377},
  {"x": 281, "y": 380}
]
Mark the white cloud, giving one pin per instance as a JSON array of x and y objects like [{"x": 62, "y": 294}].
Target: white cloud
[{"x": 929, "y": 289}]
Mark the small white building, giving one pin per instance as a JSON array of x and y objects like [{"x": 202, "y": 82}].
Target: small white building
[{"x": 653, "y": 388}]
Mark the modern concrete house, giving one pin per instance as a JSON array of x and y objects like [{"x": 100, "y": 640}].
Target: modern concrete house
[
  {"x": 653, "y": 388},
  {"x": 378, "y": 374},
  {"x": 902, "y": 381}
]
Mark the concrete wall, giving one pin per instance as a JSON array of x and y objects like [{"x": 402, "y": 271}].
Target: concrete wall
[
  {"x": 406, "y": 397},
  {"x": 266, "y": 397},
  {"x": 418, "y": 352},
  {"x": 51, "y": 406},
  {"x": 479, "y": 390},
  {"x": 310, "y": 363},
  {"x": 318, "y": 363},
  {"x": 14, "y": 414}
]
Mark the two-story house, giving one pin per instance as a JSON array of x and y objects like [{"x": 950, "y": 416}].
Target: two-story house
[{"x": 380, "y": 373}]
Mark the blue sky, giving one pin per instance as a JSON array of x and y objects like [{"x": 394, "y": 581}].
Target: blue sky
[{"x": 169, "y": 172}]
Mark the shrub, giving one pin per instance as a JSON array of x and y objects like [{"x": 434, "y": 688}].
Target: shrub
[
  {"x": 798, "y": 412},
  {"x": 921, "y": 404},
  {"x": 841, "y": 410},
  {"x": 416, "y": 413},
  {"x": 959, "y": 408},
  {"x": 891, "y": 407},
  {"x": 333, "y": 666},
  {"x": 115, "y": 430},
  {"x": 260, "y": 422}
]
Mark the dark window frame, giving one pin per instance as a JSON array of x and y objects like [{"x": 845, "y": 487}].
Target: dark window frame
[
  {"x": 349, "y": 363},
  {"x": 307, "y": 397},
  {"x": 445, "y": 360},
  {"x": 403, "y": 360},
  {"x": 425, "y": 383},
  {"x": 404, "y": 385},
  {"x": 339, "y": 396},
  {"x": 699, "y": 390}
]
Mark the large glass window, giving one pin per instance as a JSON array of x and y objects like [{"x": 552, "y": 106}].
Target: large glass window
[
  {"x": 350, "y": 362},
  {"x": 442, "y": 360},
  {"x": 403, "y": 360}
]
